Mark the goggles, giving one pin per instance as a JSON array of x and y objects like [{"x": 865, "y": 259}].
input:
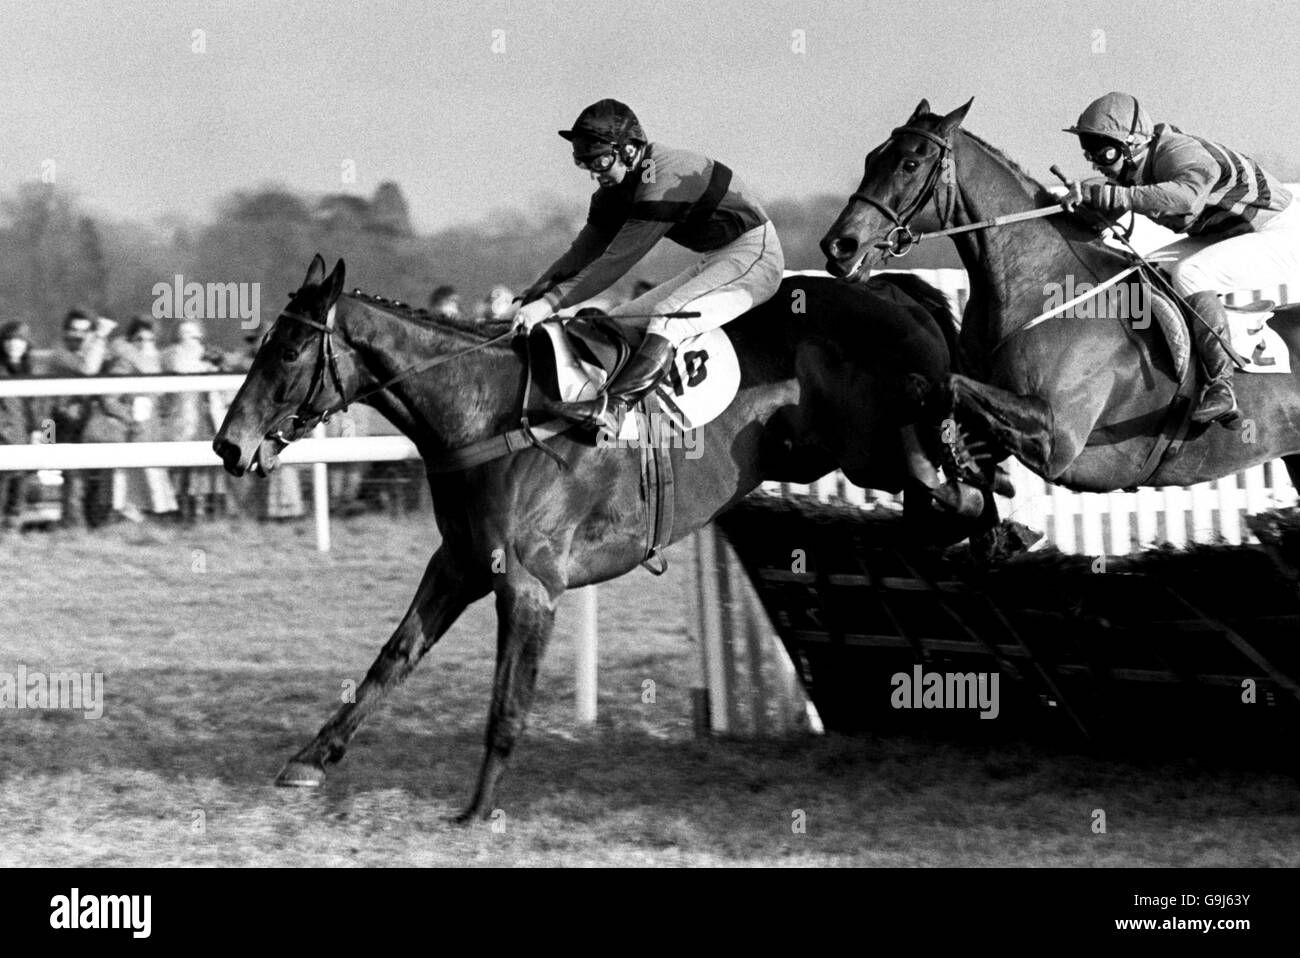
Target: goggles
[
  {"x": 596, "y": 164},
  {"x": 1100, "y": 150}
]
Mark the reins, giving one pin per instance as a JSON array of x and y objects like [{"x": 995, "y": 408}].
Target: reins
[{"x": 328, "y": 361}]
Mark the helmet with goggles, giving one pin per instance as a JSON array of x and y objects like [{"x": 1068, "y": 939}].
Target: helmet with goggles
[
  {"x": 1112, "y": 126},
  {"x": 604, "y": 124}
]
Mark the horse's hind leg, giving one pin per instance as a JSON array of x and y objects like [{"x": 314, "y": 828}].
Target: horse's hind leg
[
  {"x": 1022, "y": 425},
  {"x": 443, "y": 595},
  {"x": 525, "y": 616}
]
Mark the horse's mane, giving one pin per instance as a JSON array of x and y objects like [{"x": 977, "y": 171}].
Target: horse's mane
[
  {"x": 936, "y": 304},
  {"x": 1042, "y": 194},
  {"x": 476, "y": 329},
  {"x": 1070, "y": 229}
]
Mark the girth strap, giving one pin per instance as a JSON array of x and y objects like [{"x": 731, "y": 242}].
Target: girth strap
[
  {"x": 659, "y": 495},
  {"x": 485, "y": 450}
]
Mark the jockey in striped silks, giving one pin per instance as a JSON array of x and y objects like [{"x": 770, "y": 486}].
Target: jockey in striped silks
[{"x": 1244, "y": 224}]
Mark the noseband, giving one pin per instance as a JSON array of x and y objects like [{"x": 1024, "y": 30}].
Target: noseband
[{"x": 901, "y": 239}]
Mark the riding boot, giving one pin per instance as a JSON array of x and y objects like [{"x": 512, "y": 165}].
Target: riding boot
[
  {"x": 1218, "y": 404},
  {"x": 640, "y": 374}
]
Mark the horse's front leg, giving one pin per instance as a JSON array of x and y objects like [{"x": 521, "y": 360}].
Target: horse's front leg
[
  {"x": 445, "y": 591},
  {"x": 525, "y": 616},
  {"x": 1022, "y": 425}
]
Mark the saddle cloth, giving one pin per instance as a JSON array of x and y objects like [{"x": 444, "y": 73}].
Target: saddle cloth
[
  {"x": 1259, "y": 347},
  {"x": 1258, "y": 344},
  {"x": 573, "y": 359}
]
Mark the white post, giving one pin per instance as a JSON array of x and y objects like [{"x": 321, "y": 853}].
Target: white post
[
  {"x": 1091, "y": 505},
  {"x": 1175, "y": 510},
  {"x": 321, "y": 496},
  {"x": 1229, "y": 510},
  {"x": 713, "y": 655},
  {"x": 1203, "y": 503},
  {"x": 1062, "y": 504},
  {"x": 1148, "y": 513},
  {"x": 1119, "y": 505},
  {"x": 584, "y": 657}
]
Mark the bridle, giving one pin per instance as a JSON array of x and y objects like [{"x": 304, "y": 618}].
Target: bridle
[
  {"x": 304, "y": 419},
  {"x": 901, "y": 239}
]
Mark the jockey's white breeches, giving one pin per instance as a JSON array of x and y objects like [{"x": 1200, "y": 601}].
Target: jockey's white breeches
[
  {"x": 720, "y": 286},
  {"x": 1262, "y": 260}
]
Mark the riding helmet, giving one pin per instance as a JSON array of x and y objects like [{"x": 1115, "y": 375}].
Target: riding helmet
[{"x": 608, "y": 121}]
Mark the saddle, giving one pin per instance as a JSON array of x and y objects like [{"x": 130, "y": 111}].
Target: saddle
[{"x": 570, "y": 361}]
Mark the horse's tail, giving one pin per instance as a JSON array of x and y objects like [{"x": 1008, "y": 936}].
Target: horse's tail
[{"x": 935, "y": 302}]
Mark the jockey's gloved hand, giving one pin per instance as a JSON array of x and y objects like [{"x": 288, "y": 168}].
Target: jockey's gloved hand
[
  {"x": 1102, "y": 196},
  {"x": 530, "y": 314},
  {"x": 1073, "y": 196}
]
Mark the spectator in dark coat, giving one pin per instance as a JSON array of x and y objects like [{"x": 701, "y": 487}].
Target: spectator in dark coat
[
  {"x": 20, "y": 419},
  {"x": 87, "y": 493}
]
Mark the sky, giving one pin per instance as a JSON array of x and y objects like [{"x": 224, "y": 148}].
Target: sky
[{"x": 459, "y": 102}]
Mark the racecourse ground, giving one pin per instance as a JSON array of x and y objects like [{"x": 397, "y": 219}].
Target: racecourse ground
[{"x": 213, "y": 678}]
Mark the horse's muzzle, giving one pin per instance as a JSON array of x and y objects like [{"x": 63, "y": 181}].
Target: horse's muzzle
[
  {"x": 264, "y": 458},
  {"x": 230, "y": 455}
]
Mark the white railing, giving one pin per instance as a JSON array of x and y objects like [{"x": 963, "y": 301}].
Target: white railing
[
  {"x": 119, "y": 385},
  {"x": 143, "y": 455}
]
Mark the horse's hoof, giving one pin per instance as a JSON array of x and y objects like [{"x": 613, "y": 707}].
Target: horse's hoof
[
  {"x": 958, "y": 499},
  {"x": 469, "y": 816},
  {"x": 300, "y": 775}
]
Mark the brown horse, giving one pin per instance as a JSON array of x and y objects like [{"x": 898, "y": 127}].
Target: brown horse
[
  {"x": 1092, "y": 405},
  {"x": 527, "y": 528}
]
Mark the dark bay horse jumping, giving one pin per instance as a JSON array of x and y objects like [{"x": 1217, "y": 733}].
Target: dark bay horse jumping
[
  {"x": 527, "y": 529},
  {"x": 1089, "y": 404}
]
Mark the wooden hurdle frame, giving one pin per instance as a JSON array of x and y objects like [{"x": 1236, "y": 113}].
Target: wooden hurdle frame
[{"x": 747, "y": 683}]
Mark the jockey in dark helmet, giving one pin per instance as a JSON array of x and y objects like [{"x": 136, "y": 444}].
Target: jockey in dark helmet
[
  {"x": 648, "y": 191},
  {"x": 1246, "y": 222}
]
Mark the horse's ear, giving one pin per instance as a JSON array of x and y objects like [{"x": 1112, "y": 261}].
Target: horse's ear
[
  {"x": 315, "y": 272},
  {"x": 953, "y": 119},
  {"x": 921, "y": 110},
  {"x": 334, "y": 285}
]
